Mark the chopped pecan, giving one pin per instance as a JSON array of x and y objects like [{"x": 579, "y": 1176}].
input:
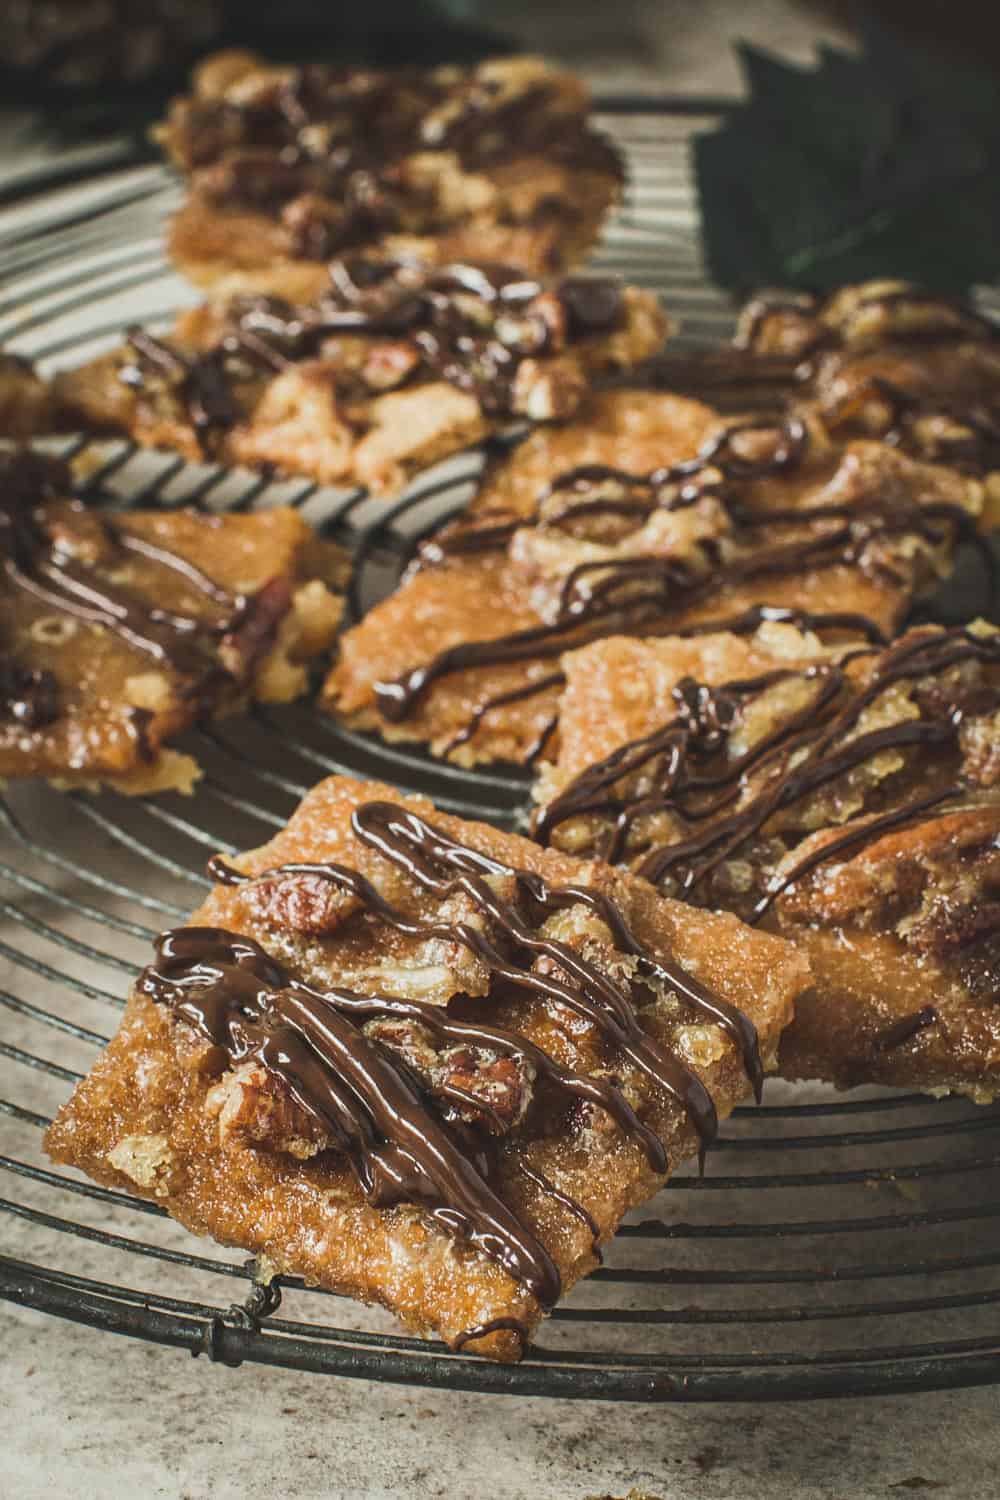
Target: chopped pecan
[
  {"x": 547, "y": 392},
  {"x": 979, "y": 740},
  {"x": 476, "y": 1085},
  {"x": 947, "y": 929},
  {"x": 388, "y": 365},
  {"x": 306, "y": 904},
  {"x": 497, "y": 1088},
  {"x": 242, "y": 647},
  {"x": 253, "y": 1107},
  {"x": 540, "y": 326}
]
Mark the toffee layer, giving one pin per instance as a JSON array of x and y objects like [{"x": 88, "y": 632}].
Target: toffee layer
[
  {"x": 396, "y": 364},
  {"x": 118, "y": 631},
  {"x": 844, "y": 796},
  {"x": 425, "y": 1062}
]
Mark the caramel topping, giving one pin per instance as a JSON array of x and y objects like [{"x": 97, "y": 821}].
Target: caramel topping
[
  {"x": 638, "y": 595},
  {"x": 341, "y": 1070},
  {"x": 46, "y": 568},
  {"x": 472, "y": 325},
  {"x": 696, "y": 779}
]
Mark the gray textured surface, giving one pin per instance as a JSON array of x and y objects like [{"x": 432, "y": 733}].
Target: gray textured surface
[{"x": 91, "y": 1416}]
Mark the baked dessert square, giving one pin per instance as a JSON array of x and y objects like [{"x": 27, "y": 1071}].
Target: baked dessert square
[
  {"x": 472, "y": 594},
  {"x": 888, "y": 359},
  {"x": 396, "y": 365},
  {"x": 426, "y": 1063},
  {"x": 843, "y": 796},
  {"x": 763, "y": 511},
  {"x": 119, "y": 630},
  {"x": 289, "y": 168}
]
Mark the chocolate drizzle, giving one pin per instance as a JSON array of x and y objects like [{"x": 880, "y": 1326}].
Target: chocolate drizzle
[
  {"x": 47, "y": 571},
  {"x": 970, "y": 441},
  {"x": 471, "y": 325},
  {"x": 200, "y": 381},
  {"x": 241, "y": 999},
  {"x": 686, "y": 770},
  {"x": 501, "y": 700},
  {"x": 905, "y": 1029},
  {"x": 668, "y": 488},
  {"x": 577, "y": 1210},
  {"x": 495, "y": 1325},
  {"x": 325, "y": 149},
  {"x": 422, "y": 851},
  {"x": 29, "y": 698},
  {"x": 848, "y": 843},
  {"x": 238, "y": 998},
  {"x": 641, "y": 594},
  {"x": 956, "y": 320}
]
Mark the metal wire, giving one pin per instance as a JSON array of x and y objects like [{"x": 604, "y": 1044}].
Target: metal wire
[{"x": 835, "y": 1246}]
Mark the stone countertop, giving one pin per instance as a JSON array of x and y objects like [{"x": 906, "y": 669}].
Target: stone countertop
[{"x": 90, "y": 1416}]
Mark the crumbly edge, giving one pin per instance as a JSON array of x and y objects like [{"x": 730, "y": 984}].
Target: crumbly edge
[
  {"x": 480, "y": 750},
  {"x": 306, "y": 631}
]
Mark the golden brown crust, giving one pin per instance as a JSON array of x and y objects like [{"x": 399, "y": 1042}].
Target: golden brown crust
[
  {"x": 150, "y": 1095},
  {"x": 116, "y": 705},
  {"x": 536, "y": 202},
  {"x": 364, "y": 407},
  {"x": 908, "y": 921},
  {"x": 904, "y": 919}
]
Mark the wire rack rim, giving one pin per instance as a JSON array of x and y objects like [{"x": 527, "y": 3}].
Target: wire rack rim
[{"x": 74, "y": 257}]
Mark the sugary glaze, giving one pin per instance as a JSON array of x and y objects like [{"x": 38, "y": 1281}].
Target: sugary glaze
[
  {"x": 846, "y": 797},
  {"x": 393, "y": 366},
  {"x": 119, "y": 631},
  {"x": 290, "y": 167},
  {"x": 452, "y": 1063},
  {"x": 768, "y": 512}
]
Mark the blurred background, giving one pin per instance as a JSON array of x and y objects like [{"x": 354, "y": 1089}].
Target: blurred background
[
  {"x": 670, "y": 45},
  {"x": 837, "y": 121}
]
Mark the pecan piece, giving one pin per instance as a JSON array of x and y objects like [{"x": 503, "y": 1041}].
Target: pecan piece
[
  {"x": 949, "y": 930},
  {"x": 478, "y": 1086},
  {"x": 242, "y": 647},
  {"x": 388, "y": 365},
  {"x": 547, "y": 392},
  {"x": 306, "y": 904},
  {"x": 254, "y": 1108}
]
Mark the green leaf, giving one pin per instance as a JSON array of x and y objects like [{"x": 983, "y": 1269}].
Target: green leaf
[{"x": 880, "y": 165}]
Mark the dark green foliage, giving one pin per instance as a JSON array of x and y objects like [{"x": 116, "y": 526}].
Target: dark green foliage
[{"x": 882, "y": 164}]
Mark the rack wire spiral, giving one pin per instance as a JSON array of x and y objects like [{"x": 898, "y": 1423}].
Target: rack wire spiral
[{"x": 836, "y": 1246}]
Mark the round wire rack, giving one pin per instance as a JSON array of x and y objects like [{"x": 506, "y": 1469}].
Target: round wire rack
[{"x": 835, "y": 1246}]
